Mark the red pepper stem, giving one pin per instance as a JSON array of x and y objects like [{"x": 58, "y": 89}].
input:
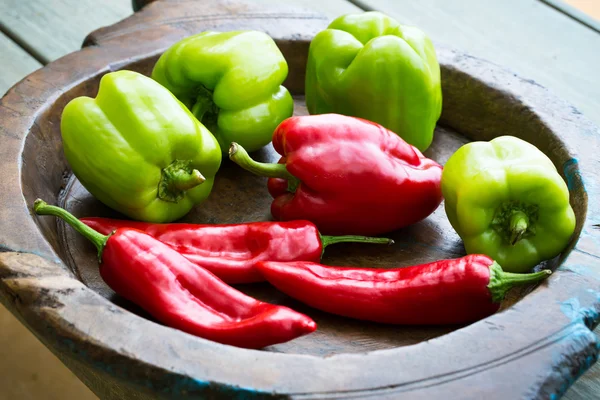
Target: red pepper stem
[
  {"x": 501, "y": 282},
  {"x": 328, "y": 240},
  {"x": 240, "y": 156},
  {"x": 99, "y": 240}
]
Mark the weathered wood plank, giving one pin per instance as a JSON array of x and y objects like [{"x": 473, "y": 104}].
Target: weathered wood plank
[
  {"x": 330, "y": 8},
  {"x": 588, "y": 386},
  {"x": 15, "y": 65},
  {"x": 51, "y": 29},
  {"x": 527, "y": 36}
]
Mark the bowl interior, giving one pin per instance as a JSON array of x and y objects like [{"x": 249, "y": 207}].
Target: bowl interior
[{"x": 239, "y": 196}]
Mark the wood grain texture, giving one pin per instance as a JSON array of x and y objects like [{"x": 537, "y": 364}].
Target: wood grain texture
[
  {"x": 49, "y": 29},
  {"x": 588, "y": 386},
  {"x": 534, "y": 349},
  {"x": 296, "y": 23},
  {"x": 329, "y": 8},
  {"x": 16, "y": 63},
  {"x": 526, "y": 36}
]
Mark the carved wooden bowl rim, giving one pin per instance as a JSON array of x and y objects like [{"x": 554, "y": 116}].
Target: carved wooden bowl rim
[{"x": 117, "y": 342}]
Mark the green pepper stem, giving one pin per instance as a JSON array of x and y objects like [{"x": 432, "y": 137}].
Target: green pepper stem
[
  {"x": 205, "y": 110},
  {"x": 200, "y": 108},
  {"x": 501, "y": 282},
  {"x": 519, "y": 222},
  {"x": 99, "y": 240},
  {"x": 176, "y": 178},
  {"x": 329, "y": 240},
  {"x": 182, "y": 180},
  {"x": 240, "y": 156}
]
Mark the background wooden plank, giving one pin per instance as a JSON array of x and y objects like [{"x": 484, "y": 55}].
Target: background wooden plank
[
  {"x": 588, "y": 386},
  {"x": 49, "y": 29},
  {"x": 527, "y": 36},
  {"x": 15, "y": 65},
  {"x": 330, "y": 8}
]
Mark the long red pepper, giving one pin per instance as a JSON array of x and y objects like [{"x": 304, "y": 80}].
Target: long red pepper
[
  {"x": 451, "y": 291},
  {"x": 179, "y": 294},
  {"x": 231, "y": 251},
  {"x": 347, "y": 175}
]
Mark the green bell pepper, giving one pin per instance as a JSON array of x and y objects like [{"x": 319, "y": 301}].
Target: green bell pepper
[
  {"x": 231, "y": 81},
  {"x": 506, "y": 200},
  {"x": 367, "y": 65},
  {"x": 138, "y": 149}
]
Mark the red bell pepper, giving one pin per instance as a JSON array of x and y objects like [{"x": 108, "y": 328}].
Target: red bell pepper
[
  {"x": 454, "y": 291},
  {"x": 347, "y": 175},
  {"x": 179, "y": 294},
  {"x": 231, "y": 251}
]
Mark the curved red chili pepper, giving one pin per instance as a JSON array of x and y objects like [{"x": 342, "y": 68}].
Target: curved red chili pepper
[
  {"x": 451, "y": 291},
  {"x": 179, "y": 294},
  {"x": 347, "y": 175},
  {"x": 231, "y": 251}
]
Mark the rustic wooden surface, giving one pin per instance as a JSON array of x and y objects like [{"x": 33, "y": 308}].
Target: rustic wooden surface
[
  {"x": 330, "y": 9},
  {"x": 527, "y": 36},
  {"x": 16, "y": 63},
  {"x": 50, "y": 29}
]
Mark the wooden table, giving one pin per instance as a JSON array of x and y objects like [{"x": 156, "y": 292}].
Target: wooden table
[{"x": 551, "y": 42}]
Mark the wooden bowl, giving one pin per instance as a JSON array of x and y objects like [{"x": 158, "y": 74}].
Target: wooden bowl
[{"x": 535, "y": 347}]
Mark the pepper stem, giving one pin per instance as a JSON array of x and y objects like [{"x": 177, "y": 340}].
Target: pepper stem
[
  {"x": 205, "y": 110},
  {"x": 240, "y": 156},
  {"x": 501, "y": 282},
  {"x": 176, "y": 178},
  {"x": 182, "y": 180},
  {"x": 99, "y": 240},
  {"x": 519, "y": 222},
  {"x": 329, "y": 240}
]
